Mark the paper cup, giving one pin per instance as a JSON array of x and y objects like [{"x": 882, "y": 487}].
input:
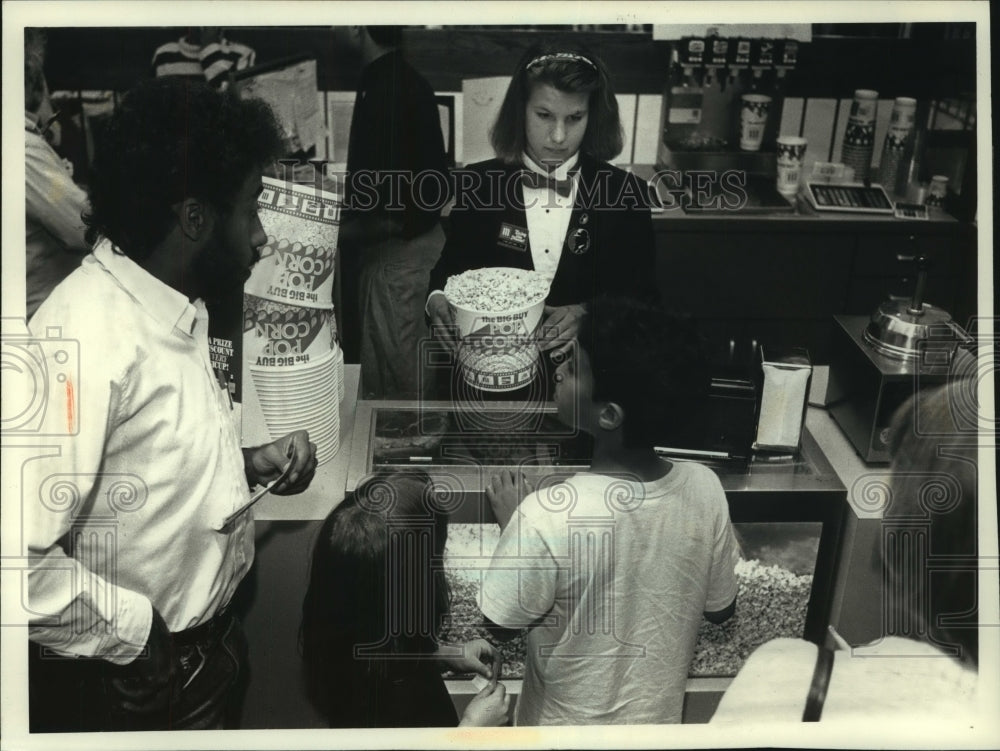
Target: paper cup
[
  {"x": 296, "y": 265},
  {"x": 937, "y": 191},
  {"x": 791, "y": 150},
  {"x": 858, "y": 146},
  {"x": 753, "y": 118},
  {"x": 904, "y": 114},
  {"x": 279, "y": 335},
  {"x": 339, "y": 372},
  {"x": 301, "y": 398},
  {"x": 865, "y": 106},
  {"x": 498, "y": 350},
  {"x": 896, "y": 147}
]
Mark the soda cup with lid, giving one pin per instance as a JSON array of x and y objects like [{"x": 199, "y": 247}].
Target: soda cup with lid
[{"x": 937, "y": 190}]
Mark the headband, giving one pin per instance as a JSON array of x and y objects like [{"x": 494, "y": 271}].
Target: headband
[{"x": 561, "y": 56}]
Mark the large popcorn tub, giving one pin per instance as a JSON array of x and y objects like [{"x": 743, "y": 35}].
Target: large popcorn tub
[{"x": 497, "y": 310}]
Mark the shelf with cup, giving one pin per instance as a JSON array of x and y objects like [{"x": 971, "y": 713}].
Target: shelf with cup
[{"x": 780, "y": 279}]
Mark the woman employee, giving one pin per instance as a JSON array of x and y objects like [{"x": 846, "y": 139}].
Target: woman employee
[{"x": 550, "y": 201}]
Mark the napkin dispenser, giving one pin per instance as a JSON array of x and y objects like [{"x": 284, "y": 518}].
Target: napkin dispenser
[{"x": 784, "y": 378}]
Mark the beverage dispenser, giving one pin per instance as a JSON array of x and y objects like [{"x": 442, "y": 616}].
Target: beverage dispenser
[{"x": 703, "y": 97}]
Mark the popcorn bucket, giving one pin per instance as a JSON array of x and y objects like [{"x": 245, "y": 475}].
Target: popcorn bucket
[
  {"x": 297, "y": 263},
  {"x": 497, "y": 323},
  {"x": 280, "y": 335}
]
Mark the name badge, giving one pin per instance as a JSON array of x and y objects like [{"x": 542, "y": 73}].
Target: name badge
[{"x": 513, "y": 237}]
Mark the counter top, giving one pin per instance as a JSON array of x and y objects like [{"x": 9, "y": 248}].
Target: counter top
[
  {"x": 864, "y": 481},
  {"x": 801, "y": 214},
  {"x": 823, "y": 440},
  {"x": 799, "y": 217}
]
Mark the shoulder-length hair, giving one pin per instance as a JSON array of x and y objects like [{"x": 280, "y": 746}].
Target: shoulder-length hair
[
  {"x": 568, "y": 67},
  {"x": 933, "y": 499},
  {"x": 377, "y": 590}
]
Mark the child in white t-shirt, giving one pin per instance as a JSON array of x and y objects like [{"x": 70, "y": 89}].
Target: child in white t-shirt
[{"x": 613, "y": 569}]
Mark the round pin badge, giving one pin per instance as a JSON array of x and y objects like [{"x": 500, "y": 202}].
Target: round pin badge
[
  {"x": 584, "y": 218},
  {"x": 579, "y": 241}
]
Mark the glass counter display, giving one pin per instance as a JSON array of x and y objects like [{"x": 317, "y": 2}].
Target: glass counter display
[
  {"x": 788, "y": 513},
  {"x": 775, "y": 577}
]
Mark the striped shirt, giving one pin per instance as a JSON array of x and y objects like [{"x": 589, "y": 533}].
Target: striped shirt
[{"x": 210, "y": 63}]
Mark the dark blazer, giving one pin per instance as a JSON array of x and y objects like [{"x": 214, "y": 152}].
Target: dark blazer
[{"x": 609, "y": 242}]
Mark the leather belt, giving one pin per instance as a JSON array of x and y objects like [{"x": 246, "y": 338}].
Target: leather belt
[{"x": 210, "y": 630}]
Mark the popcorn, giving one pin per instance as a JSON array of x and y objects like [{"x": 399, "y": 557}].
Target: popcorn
[
  {"x": 772, "y": 602},
  {"x": 496, "y": 289}
]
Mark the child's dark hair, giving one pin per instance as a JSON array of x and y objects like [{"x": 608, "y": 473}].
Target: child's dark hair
[
  {"x": 377, "y": 590},
  {"x": 569, "y": 67},
  {"x": 649, "y": 361}
]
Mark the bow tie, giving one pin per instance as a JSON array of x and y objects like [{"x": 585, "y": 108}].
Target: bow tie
[{"x": 531, "y": 179}]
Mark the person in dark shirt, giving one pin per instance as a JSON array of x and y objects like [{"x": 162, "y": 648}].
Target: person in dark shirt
[
  {"x": 391, "y": 235},
  {"x": 373, "y": 613}
]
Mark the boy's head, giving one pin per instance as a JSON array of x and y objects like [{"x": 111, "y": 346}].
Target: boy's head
[{"x": 636, "y": 368}]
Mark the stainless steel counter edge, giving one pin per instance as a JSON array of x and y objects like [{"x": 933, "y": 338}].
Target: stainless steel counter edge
[{"x": 348, "y": 467}]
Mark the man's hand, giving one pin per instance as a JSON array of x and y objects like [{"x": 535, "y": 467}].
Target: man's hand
[
  {"x": 442, "y": 317},
  {"x": 266, "y": 463},
  {"x": 559, "y": 327},
  {"x": 146, "y": 686},
  {"x": 505, "y": 493}
]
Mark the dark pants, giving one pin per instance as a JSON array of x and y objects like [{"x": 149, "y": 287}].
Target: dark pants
[
  {"x": 392, "y": 292},
  {"x": 79, "y": 695}
]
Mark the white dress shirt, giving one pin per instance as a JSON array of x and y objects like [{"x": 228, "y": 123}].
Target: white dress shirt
[
  {"x": 548, "y": 215},
  {"x": 126, "y": 510}
]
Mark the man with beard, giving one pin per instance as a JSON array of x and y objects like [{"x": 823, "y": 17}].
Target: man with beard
[{"x": 134, "y": 558}]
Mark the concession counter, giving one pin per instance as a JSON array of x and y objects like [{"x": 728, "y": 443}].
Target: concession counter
[
  {"x": 789, "y": 515},
  {"x": 784, "y": 508}
]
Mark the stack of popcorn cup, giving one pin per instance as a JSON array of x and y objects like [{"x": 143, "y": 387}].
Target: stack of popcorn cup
[
  {"x": 859, "y": 137},
  {"x": 289, "y": 328},
  {"x": 898, "y": 144},
  {"x": 339, "y": 359}
]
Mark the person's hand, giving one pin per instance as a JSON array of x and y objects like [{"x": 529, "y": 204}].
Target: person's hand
[
  {"x": 266, "y": 463},
  {"x": 145, "y": 687},
  {"x": 442, "y": 317},
  {"x": 559, "y": 327},
  {"x": 478, "y": 656},
  {"x": 505, "y": 493},
  {"x": 489, "y": 708}
]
